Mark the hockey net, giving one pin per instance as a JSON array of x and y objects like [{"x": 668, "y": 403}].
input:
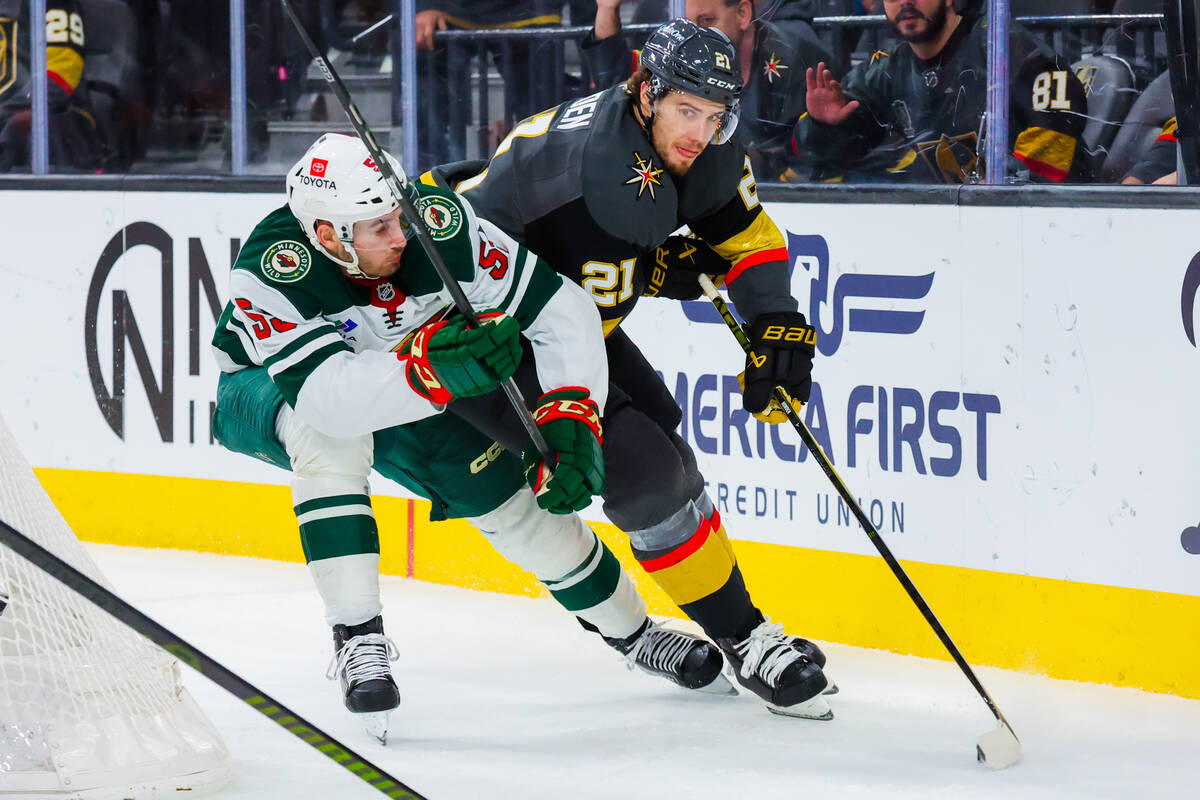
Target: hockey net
[{"x": 88, "y": 708}]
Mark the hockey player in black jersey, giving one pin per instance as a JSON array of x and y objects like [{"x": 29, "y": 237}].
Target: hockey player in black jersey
[
  {"x": 772, "y": 58},
  {"x": 596, "y": 187},
  {"x": 916, "y": 115}
]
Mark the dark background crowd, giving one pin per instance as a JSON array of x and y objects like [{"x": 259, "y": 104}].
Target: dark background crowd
[{"x": 143, "y": 86}]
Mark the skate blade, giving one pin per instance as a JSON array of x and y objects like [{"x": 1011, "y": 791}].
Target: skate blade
[
  {"x": 998, "y": 748},
  {"x": 720, "y": 685},
  {"x": 376, "y": 723},
  {"x": 817, "y": 708}
]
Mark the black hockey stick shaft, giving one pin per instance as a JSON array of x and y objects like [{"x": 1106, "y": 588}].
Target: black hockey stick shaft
[
  {"x": 1180, "y": 19},
  {"x": 710, "y": 291},
  {"x": 410, "y": 212},
  {"x": 195, "y": 658}
]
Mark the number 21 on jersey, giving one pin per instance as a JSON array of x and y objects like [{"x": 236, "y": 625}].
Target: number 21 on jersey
[{"x": 610, "y": 284}]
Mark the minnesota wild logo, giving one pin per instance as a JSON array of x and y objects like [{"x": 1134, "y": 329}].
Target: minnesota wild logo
[
  {"x": 442, "y": 218},
  {"x": 286, "y": 262},
  {"x": 645, "y": 174}
]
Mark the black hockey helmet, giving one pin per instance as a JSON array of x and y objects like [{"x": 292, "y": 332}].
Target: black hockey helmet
[{"x": 687, "y": 57}]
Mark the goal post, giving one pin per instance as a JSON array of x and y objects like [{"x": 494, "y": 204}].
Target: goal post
[{"x": 88, "y": 707}]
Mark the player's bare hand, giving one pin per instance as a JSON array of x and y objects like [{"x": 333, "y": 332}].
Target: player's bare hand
[
  {"x": 825, "y": 99},
  {"x": 427, "y": 23}
]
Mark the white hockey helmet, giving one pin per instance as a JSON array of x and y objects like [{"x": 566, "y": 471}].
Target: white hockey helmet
[{"x": 337, "y": 180}]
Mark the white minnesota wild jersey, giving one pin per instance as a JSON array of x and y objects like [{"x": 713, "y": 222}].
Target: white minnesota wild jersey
[{"x": 327, "y": 340}]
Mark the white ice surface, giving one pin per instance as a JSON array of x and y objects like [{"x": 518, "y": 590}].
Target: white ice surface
[{"x": 507, "y": 697}]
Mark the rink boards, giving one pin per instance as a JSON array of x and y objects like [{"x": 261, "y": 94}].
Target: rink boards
[{"x": 1010, "y": 391}]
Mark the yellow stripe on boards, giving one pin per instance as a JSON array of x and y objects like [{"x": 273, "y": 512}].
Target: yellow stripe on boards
[
  {"x": 543, "y": 19},
  {"x": 1077, "y": 631}
]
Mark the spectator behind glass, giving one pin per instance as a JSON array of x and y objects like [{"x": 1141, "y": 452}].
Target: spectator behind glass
[
  {"x": 916, "y": 116},
  {"x": 74, "y": 143},
  {"x": 773, "y": 60},
  {"x": 528, "y": 72},
  {"x": 1160, "y": 164}
]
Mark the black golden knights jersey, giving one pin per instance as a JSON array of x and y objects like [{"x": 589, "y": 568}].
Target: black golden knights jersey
[
  {"x": 64, "y": 49},
  {"x": 581, "y": 186},
  {"x": 772, "y": 98},
  {"x": 920, "y": 121}
]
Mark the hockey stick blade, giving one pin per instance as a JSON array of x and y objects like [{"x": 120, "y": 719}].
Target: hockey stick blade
[
  {"x": 991, "y": 748},
  {"x": 207, "y": 666},
  {"x": 999, "y": 748}
]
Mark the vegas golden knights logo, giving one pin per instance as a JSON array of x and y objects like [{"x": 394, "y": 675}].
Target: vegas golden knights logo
[
  {"x": 1086, "y": 76},
  {"x": 8, "y": 53},
  {"x": 947, "y": 159}
]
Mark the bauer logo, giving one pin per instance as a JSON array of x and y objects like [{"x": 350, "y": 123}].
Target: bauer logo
[
  {"x": 851, "y": 303},
  {"x": 1187, "y": 300}
]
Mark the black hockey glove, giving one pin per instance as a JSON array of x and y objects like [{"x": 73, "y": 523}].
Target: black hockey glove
[
  {"x": 673, "y": 267},
  {"x": 782, "y": 348}
]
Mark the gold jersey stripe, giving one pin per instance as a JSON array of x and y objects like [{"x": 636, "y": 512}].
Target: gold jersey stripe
[
  {"x": 1046, "y": 148},
  {"x": 759, "y": 236},
  {"x": 67, "y": 64}
]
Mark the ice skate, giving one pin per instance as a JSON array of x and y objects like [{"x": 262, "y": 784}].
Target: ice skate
[
  {"x": 683, "y": 659},
  {"x": 815, "y": 655},
  {"x": 777, "y": 668},
  {"x": 361, "y": 663}
]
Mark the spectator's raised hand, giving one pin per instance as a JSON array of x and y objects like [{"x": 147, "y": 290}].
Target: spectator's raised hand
[
  {"x": 429, "y": 22},
  {"x": 825, "y": 99},
  {"x": 608, "y": 18}
]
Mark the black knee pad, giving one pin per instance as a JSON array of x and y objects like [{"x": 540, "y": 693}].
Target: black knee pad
[
  {"x": 646, "y": 480},
  {"x": 691, "y": 470}
]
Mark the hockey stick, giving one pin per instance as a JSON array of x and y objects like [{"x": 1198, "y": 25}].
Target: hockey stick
[
  {"x": 1181, "y": 25},
  {"x": 417, "y": 223},
  {"x": 998, "y": 748},
  {"x": 195, "y": 658}
]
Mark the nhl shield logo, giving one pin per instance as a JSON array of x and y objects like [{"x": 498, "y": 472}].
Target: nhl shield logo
[
  {"x": 441, "y": 217},
  {"x": 286, "y": 262}
]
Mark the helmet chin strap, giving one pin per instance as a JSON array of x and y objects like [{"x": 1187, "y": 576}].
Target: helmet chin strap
[{"x": 350, "y": 266}]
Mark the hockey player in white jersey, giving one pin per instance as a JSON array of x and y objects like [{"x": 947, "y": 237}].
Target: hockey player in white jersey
[{"x": 340, "y": 350}]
